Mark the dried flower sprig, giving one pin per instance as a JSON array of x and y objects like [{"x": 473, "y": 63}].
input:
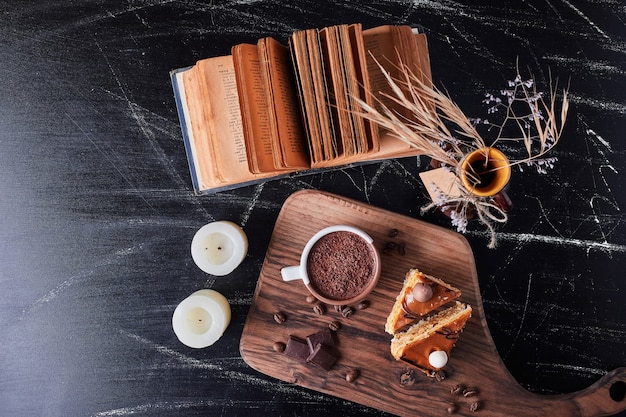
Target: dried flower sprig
[
  {"x": 427, "y": 119},
  {"x": 535, "y": 122}
]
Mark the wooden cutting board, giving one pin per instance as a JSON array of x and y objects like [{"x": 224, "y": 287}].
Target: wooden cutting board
[{"x": 362, "y": 343}]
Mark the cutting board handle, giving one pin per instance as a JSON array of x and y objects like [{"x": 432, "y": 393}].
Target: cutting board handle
[{"x": 605, "y": 397}]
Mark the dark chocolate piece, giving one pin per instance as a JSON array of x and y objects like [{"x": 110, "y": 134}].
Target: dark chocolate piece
[
  {"x": 323, "y": 337},
  {"x": 322, "y": 357},
  {"x": 297, "y": 348}
]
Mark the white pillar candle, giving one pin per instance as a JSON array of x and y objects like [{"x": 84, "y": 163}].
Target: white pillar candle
[
  {"x": 201, "y": 319},
  {"x": 219, "y": 247}
]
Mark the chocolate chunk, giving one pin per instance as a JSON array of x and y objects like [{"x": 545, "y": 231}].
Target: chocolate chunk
[
  {"x": 323, "y": 337},
  {"x": 297, "y": 348},
  {"x": 322, "y": 357}
]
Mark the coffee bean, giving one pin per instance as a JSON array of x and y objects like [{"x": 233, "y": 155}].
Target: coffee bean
[
  {"x": 319, "y": 309},
  {"x": 347, "y": 312},
  {"x": 352, "y": 375},
  {"x": 475, "y": 406},
  {"x": 407, "y": 379},
  {"x": 310, "y": 299},
  {"x": 393, "y": 233},
  {"x": 440, "y": 375},
  {"x": 363, "y": 305},
  {"x": 391, "y": 245},
  {"x": 457, "y": 389},
  {"x": 469, "y": 392},
  {"x": 279, "y": 347},
  {"x": 334, "y": 325},
  {"x": 452, "y": 408},
  {"x": 279, "y": 317},
  {"x": 402, "y": 248},
  {"x": 338, "y": 308}
]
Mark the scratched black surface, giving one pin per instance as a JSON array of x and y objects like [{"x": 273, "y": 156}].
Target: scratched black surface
[{"x": 97, "y": 212}]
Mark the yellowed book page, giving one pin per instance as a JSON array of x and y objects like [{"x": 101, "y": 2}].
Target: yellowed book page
[
  {"x": 290, "y": 149},
  {"x": 380, "y": 50},
  {"x": 331, "y": 147},
  {"x": 364, "y": 86},
  {"x": 254, "y": 111},
  {"x": 304, "y": 78},
  {"x": 422, "y": 47},
  {"x": 225, "y": 119},
  {"x": 336, "y": 81},
  {"x": 380, "y": 45},
  {"x": 200, "y": 127}
]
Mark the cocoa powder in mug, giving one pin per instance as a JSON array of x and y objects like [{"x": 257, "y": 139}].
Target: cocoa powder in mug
[{"x": 341, "y": 264}]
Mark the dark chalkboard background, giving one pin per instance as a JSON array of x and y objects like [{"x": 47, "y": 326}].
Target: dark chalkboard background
[{"x": 97, "y": 211}]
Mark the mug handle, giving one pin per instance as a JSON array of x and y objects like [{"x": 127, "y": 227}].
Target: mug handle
[{"x": 292, "y": 273}]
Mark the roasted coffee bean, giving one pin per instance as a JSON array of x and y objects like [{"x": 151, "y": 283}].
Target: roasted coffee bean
[
  {"x": 475, "y": 406},
  {"x": 452, "y": 408},
  {"x": 469, "y": 392},
  {"x": 393, "y": 233},
  {"x": 363, "y": 305},
  {"x": 407, "y": 379},
  {"x": 310, "y": 299},
  {"x": 391, "y": 245},
  {"x": 334, "y": 325},
  {"x": 279, "y": 347},
  {"x": 279, "y": 317},
  {"x": 457, "y": 389},
  {"x": 352, "y": 375},
  {"x": 347, "y": 311},
  {"x": 338, "y": 308},
  {"x": 319, "y": 309},
  {"x": 440, "y": 375}
]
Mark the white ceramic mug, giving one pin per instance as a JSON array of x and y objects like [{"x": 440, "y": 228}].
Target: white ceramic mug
[{"x": 301, "y": 271}]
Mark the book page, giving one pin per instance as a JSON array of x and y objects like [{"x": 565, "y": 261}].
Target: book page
[
  {"x": 304, "y": 80},
  {"x": 254, "y": 110},
  {"x": 225, "y": 132},
  {"x": 331, "y": 146},
  {"x": 288, "y": 140},
  {"x": 391, "y": 47},
  {"x": 381, "y": 51},
  {"x": 199, "y": 130}
]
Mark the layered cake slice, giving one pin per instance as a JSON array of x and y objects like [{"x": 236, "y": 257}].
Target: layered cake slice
[
  {"x": 421, "y": 294},
  {"x": 427, "y": 344}
]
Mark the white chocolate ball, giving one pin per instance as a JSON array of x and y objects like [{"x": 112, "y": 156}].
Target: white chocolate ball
[
  {"x": 438, "y": 359},
  {"x": 422, "y": 292}
]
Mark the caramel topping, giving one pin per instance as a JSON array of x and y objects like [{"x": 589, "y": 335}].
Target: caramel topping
[
  {"x": 443, "y": 339},
  {"x": 416, "y": 309}
]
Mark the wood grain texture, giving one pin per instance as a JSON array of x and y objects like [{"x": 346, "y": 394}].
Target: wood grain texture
[{"x": 362, "y": 342}]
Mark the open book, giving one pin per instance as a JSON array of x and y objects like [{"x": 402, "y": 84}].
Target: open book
[{"x": 270, "y": 110}]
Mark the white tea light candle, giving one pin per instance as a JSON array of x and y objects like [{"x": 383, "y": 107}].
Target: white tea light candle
[
  {"x": 219, "y": 247},
  {"x": 201, "y": 319}
]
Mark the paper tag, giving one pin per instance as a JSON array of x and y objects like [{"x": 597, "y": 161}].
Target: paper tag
[{"x": 438, "y": 181}]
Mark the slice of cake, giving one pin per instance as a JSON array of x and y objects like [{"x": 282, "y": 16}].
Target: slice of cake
[
  {"x": 420, "y": 295},
  {"x": 428, "y": 343}
]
